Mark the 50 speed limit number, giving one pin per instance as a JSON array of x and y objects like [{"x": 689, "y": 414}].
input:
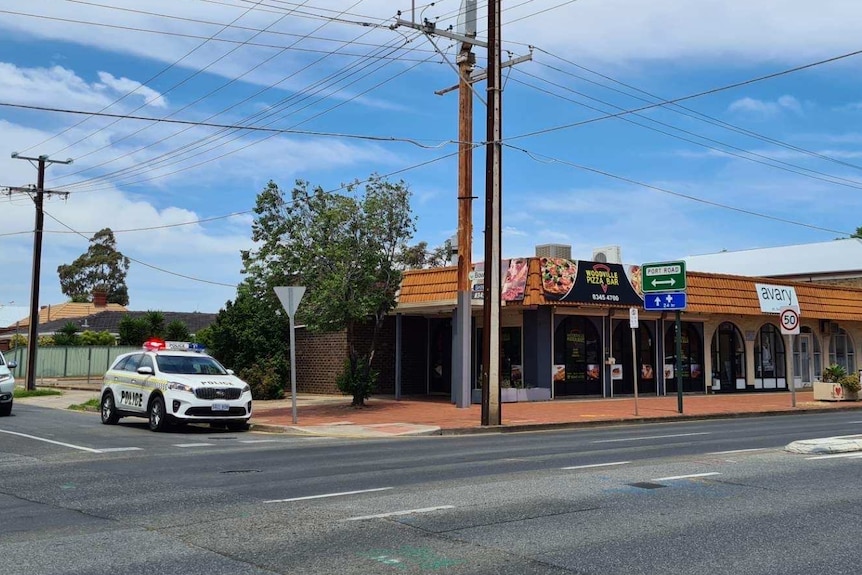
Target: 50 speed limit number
[{"x": 789, "y": 319}]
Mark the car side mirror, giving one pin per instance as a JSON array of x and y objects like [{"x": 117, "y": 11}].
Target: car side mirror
[
  {"x": 12, "y": 364},
  {"x": 230, "y": 372},
  {"x": 145, "y": 370}
]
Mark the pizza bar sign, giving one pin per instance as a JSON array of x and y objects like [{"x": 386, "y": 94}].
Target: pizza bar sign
[{"x": 773, "y": 298}]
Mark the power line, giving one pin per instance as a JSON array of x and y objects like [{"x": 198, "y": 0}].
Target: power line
[
  {"x": 551, "y": 160},
  {"x": 690, "y": 96},
  {"x": 779, "y": 164},
  {"x": 685, "y": 111}
]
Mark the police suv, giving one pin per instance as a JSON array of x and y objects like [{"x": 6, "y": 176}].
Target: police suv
[{"x": 174, "y": 382}]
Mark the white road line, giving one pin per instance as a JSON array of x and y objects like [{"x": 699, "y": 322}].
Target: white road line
[
  {"x": 851, "y": 454},
  {"x": 193, "y": 444},
  {"x": 115, "y": 449},
  {"x": 260, "y": 440},
  {"x": 596, "y": 465},
  {"x": 736, "y": 451},
  {"x": 674, "y": 477},
  {"x": 325, "y": 495},
  {"x": 651, "y": 437},
  {"x": 88, "y": 449},
  {"x": 397, "y": 513}
]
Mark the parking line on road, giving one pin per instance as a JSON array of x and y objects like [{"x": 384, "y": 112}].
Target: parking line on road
[
  {"x": 88, "y": 449},
  {"x": 325, "y": 495},
  {"x": 193, "y": 444},
  {"x": 691, "y": 476},
  {"x": 116, "y": 449},
  {"x": 397, "y": 513},
  {"x": 596, "y": 465},
  {"x": 736, "y": 451},
  {"x": 651, "y": 437}
]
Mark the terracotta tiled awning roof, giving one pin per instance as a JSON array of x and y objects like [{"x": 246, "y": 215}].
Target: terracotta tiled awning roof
[{"x": 707, "y": 294}]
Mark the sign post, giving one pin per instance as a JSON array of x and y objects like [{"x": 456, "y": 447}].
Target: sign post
[
  {"x": 633, "y": 323},
  {"x": 290, "y": 296},
  {"x": 788, "y": 318},
  {"x": 664, "y": 286}
]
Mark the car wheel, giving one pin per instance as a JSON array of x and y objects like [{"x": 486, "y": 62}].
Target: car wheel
[
  {"x": 6, "y": 409},
  {"x": 109, "y": 409},
  {"x": 156, "y": 413},
  {"x": 238, "y": 425}
]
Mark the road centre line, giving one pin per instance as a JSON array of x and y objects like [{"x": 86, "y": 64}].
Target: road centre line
[
  {"x": 193, "y": 444},
  {"x": 850, "y": 454},
  {"x": 397, "y": 513},
  {"x": 596, "y": 465},
  {"x": 116, "y": 449},
  {"x": 651, "y": 437},
  {"x": 260, "y": 440},
  {"x": 78, "y": 447},
  {"x": 736, "y": 451},
  {"x": 325, "y": 495},
  {"x": 691, "y": 476}
]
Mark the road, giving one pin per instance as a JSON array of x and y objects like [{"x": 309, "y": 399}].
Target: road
[{"x": 717, "y": 496}]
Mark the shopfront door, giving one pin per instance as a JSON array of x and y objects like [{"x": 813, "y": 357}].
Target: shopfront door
[
  {"x": 802, "y": 364},
  {"x": 728, "y": 359},
  {"x": 644, "y": 365}
]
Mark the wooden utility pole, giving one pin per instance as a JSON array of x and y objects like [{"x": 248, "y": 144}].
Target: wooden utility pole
[
  {"x": 493, "y": 216},
  {"x": 38, "y": 200}
]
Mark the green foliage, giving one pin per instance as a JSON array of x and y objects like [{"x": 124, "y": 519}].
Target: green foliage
[
  {"x": 265, "y": 379},
  {"x": 133, "y": 331},
  {"x": 345, "y": 248},
  {"x": 177, "y": 331},
  {"x": 250, "y": 331},
  {"x": 17, "y": 340},
  {"x": 833, "y": 373},
  {"x": 850, "y": 382},
  {"x": 204, "y": 337},
  {"x": 67, "y": 335},
  {"x": 20, "y": 392},
  {"x": 155, "y": 324},
  {"x": 420, "y": 257},
  {"x": 102, "y": 267},
  {"x": 89, "y": 405},
  {"x": 46, "y": 341},
  {"x": 357, "y": 380},
  {"x": 98, "y": 338}
]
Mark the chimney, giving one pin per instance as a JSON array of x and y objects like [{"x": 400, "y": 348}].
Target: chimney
[{"x": 100, "y": 298}]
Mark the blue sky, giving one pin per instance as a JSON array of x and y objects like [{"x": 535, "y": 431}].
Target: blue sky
[{"x": 309, "y": 69}]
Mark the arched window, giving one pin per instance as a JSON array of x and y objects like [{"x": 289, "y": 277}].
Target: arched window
[
  {"x": 841, "y": 351},
  {"x": 692, "y": 358},
  {"x": 728, "y": 359},
  {"x": 769, "y": 366}
]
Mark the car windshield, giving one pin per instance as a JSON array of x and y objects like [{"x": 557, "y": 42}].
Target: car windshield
[{"x": 188, "y": 365}]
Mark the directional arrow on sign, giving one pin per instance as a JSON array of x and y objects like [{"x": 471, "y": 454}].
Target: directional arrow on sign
[{"x": 671, "y": 282}]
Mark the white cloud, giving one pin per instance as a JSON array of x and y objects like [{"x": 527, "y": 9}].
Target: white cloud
[
  {"x": 766, "y": 108},
  {"x": 133, "y": 87}
]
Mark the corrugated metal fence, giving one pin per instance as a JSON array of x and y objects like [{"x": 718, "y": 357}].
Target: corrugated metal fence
[{"x": 76, "y": 361}]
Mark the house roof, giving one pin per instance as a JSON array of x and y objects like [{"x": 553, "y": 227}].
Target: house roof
[
  {"x": 833, "y": 257},
  {"x": 67, "y": 311},
  {"x": 707, "y": 294},
  {"x": 110, "y": 320}
]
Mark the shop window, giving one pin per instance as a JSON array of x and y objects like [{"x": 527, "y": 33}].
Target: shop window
[
  {"x": 692, "y": 358},
  {"x": 578, "y": 368},
  {"x": 728, "y": 359},
  {"x": 769, "y": 359},
  {"x": 841, "y": 351},
  {"x": 510, "y": 348}
]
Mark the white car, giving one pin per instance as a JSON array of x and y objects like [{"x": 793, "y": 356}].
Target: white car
[
  {"x": 7, "y": 385},
  {"x": 168, "y": 386}
]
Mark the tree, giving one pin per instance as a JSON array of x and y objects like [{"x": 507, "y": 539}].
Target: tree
[
  {"x": 346, "y": 249},
  {"x": 155, "y": 324},
  {"x": 420, "y": 257},
  {"x": 67, "y": 335},
  {"x": 177, "y": 331},
  {"x": 102, "y": 267},
  {"x": 133, "y": 331}
]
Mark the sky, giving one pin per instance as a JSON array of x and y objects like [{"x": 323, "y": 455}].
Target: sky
[{"x": 767, "y": 163}]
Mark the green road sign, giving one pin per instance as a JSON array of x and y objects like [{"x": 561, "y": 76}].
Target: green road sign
[{"x": 665, "y": 276}]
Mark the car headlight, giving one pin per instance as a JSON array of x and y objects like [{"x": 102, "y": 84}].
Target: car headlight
[
  {"x": 246, "y": 388},
  {"x": 5, "y": 376},
  {"x": 177, "y": 386}
]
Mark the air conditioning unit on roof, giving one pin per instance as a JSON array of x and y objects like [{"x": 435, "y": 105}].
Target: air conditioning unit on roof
[{"x": 608, "y": 255}]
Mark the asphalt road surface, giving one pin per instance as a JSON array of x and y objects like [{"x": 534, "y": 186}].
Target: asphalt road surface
[{"x": 712, "y": 497}]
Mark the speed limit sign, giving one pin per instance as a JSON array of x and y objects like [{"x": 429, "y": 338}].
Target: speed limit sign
[{"x": 789, "y": 319}]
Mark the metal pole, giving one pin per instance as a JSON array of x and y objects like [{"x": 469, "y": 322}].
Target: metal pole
[
  {"x": 678, "y": 362},
  {"x": 788, "y": 368},
  {"x": 33, "y": 328},
  {"x": 292, "y": 366},
  {"x": 635, "y": 369},
  {"x": 493, "y": 191}
]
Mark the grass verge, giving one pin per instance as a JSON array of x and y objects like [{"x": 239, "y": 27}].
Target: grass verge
[
  {"x": 21, "y": 392},
  {"x": 89, "y": 405}
]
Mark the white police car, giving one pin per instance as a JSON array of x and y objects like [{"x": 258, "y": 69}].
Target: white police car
[
  {"x": 174, "y": 382},
  {"x": 7, "y": 385}
]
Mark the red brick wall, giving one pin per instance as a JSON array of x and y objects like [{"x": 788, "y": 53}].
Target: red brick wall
[{"x": 319, "y": 360}]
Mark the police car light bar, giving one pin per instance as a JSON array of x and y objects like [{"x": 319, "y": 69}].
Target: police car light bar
[{"x": 156, "y": 344}]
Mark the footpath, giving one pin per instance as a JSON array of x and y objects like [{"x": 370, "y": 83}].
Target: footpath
[{"x": 384, "y": 416}]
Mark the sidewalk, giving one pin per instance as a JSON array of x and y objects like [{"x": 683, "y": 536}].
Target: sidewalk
[{"x": 383, "y": 416}]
